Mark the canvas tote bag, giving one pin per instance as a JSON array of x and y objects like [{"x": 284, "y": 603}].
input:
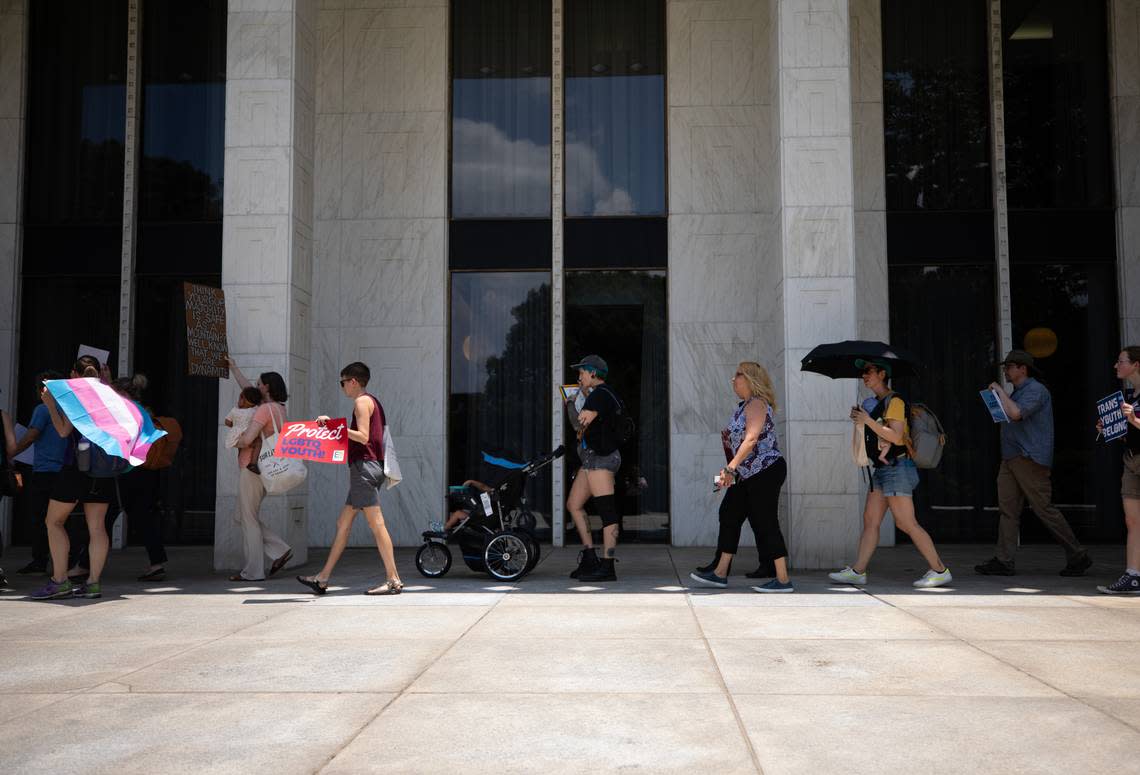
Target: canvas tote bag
[{"x": 278, "y": 474}]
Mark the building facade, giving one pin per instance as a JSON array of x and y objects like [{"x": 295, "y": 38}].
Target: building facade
[{"x": 470, "y": 195}]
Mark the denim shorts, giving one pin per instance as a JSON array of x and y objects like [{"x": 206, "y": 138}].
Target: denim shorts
[
  {"x": 899, "y": 479},
  {"x": 592, "y": 461}
]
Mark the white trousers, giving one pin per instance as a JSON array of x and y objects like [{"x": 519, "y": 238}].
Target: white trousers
[{"x": 257, "y": 538}]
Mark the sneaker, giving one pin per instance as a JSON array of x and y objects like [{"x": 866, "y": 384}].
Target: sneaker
[
  {"x": 933, "y": 578},
  {"x": 33, "y": 568},
  {"x": 1078, "y": 565},
  {"x": 775, "y": 585},
  {"x": 435, "y": 527},
  {"x": 89, "y": 590},
  {"x": 709, "y": 579},
  {"x": 54, "y": 590},
  {"x": 1125, "y": 585},
  {"x": 994, "y": 567},
  {"x": 848, "y": 576}
]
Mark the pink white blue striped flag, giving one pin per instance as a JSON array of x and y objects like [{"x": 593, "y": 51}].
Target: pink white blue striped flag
[{"x": 118, "y": 425}]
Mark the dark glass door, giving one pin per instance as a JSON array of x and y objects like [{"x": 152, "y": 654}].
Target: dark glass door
[{"x": 620, "y": 315}]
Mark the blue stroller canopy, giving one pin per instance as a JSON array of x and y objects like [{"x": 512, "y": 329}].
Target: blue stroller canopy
[{"x": 502, "y": 462}]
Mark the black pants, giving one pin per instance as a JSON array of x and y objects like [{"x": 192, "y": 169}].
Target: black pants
[
  {"x": 139, "y": 490},
  {"x": 757, "y": 501}
]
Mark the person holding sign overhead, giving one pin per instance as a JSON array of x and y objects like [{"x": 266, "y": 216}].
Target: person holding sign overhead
[
  {"x": 1026, "y": 469},
  {"x": 365, "y": 477},
  {"x": 259, "y": 541},
  {"x": 1128, "y": 370}
]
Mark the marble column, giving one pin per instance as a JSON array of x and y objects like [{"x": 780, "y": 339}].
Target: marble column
[
  {"x": 816, "y": 220},
  {"x": 1124, "y": 42},
  {"x": 267, "y": 244},
  {"x": 380, "y": 274},
  {"x": 724, "y": 258},
  {"x": 868, "y": 154},
  {"x": 13, "y": 63}
]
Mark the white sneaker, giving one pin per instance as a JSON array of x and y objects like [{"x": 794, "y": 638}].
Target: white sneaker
[
  {"x": 848, "y": 576},
  {"x": 933, "y": 578}
]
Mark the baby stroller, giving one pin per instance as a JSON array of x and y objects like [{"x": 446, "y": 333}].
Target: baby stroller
[{"x": 497, "y": 535}]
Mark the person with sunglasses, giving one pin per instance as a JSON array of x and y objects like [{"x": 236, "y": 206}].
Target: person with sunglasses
[{"x": 893, "y": 480}]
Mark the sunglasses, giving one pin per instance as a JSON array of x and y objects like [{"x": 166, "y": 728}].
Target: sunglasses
[{"x": 345, "y": 380}]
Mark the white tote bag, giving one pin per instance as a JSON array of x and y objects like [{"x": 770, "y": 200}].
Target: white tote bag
[
  {"x": 278, "y": 474},
  {"x": 391, "y": 464}
]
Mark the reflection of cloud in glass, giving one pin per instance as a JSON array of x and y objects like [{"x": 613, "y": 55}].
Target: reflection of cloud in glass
[
  {"x": 615, "y": 145},
  {"x": 494, "y": 175}
]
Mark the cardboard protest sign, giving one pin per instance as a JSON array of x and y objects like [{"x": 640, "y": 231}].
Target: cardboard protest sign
[
  {"x": 309, "y": 440},
  {"x": 103, "y": 356},
  {"x": 206, "y": 345},
  {"x": 1111, "y": 413}
]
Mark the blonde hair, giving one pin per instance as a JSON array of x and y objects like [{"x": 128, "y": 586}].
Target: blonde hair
[{"x": 759, "y": 383}]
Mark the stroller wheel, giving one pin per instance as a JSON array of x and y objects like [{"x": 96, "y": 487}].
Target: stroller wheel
[
  {"x": 433, "y": 559},
  {"x": 507, "y": 555},
  {"x": 532, "y": 545}
]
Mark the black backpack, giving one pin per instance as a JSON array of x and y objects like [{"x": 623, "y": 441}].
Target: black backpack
[{"x": 621, "y": 425}]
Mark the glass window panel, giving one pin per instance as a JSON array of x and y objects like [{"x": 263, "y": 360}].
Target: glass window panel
[
  {"x": 620, "y": 315},
  {"x": 1065, "y": 315},
  {"x": 615, "y": 107},
  {"x": 936, "y": 104},
  {"x": 1057, "y": 132},
  {"x": 183, "y": 112},
  {"x": 77, "y": 56},
  {"x": 944, "y": 315},
  {"x": 499, "y": 394},
  {"x": 500, "y": 105}
]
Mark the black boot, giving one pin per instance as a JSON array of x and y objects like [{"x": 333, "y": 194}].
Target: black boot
[
  {"x": 602, "y": 571},
  {"x": 587, "y": 561}
]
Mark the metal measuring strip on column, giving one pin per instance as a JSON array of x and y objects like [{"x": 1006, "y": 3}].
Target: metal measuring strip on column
[
  {"x": 130, "y": 184},
  {"x": 557, "y": 302},
  {"x": 1001, "y": 204}
]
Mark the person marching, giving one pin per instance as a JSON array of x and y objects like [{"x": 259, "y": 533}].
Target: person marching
[
  {"x": 601, "y": 459},
  {"x": 365, "y": 478},
  {"x": 1128, "y": 370},
  {"x": 892, "y": 482},
  {"x": 753, "y": 476},
  {"x": 1027, "y": 468}
]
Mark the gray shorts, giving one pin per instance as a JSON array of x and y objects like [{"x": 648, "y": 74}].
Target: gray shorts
[
  {"x": 365, "y": 477},
  {"x": 592, "y": 461}
]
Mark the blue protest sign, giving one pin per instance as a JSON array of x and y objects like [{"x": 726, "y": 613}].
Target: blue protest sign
[{"x": 1111, "y": 414}]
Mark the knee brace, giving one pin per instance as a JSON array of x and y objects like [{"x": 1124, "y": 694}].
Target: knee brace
[{"x": 607, "y": 510}]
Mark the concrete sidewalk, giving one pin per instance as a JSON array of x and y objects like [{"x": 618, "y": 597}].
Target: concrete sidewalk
[{"x": 1030, "y": 674}]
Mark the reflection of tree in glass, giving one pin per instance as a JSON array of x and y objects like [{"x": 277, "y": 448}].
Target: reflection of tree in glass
[
  {"x": 178, "y": 191},
  {"x": 937, "y": 137}
]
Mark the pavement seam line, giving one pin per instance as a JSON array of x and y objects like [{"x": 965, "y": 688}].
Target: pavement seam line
[
  {"x": 997, "y": 658},
  {"x": 405, "y": 690},
  {"x": 719, "y": 675}
]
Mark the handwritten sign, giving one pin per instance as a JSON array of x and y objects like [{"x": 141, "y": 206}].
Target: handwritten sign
[
  {"x": 1111, "y": 413},
  {"x": 206, "y": 345},
  {"x": 309, "y": 440},
  {"x": 993, "y": 404}
]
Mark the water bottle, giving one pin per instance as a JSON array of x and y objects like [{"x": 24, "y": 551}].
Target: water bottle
[{"x": 83, "y": 455}]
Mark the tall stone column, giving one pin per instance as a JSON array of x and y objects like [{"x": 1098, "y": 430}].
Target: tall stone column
[
  {"x": 816, "y": 217},
  {"x": 724, "y": 259},
  {"x": 13, "y": 64},
  {"x": 267, "y": 242},
  {"x": 1124, "y": 42}
]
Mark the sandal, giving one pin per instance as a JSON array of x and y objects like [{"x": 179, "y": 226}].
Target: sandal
[
  {"x": 239, "y": 577},
  {"x": 389, "y": 587},
  {"x": 279, "y": 563},
  {"x": 312, "y": 582}
]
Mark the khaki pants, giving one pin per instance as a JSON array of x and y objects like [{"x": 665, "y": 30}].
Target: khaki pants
[
  {"x": 257, "y": 538},
  {"x": 1020, "y": 479}
]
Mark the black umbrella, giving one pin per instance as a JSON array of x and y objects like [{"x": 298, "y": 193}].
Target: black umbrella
[{"x": 837, "y": 360}]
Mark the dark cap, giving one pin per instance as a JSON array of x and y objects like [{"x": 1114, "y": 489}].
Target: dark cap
[
  {"x": 1020, "y": 358},
  {"x": 593, "y": 363},
  {"x": 884, "y": 365}
]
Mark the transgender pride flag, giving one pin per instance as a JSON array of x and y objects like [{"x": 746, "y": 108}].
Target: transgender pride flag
[{"x": 116, "y": 424}]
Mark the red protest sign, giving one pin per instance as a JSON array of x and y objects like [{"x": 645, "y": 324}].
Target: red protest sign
[{"x": 309, "y": 440}]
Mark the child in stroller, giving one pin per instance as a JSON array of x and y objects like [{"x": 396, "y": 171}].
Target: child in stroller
[{"x": 490, "y": 522}]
